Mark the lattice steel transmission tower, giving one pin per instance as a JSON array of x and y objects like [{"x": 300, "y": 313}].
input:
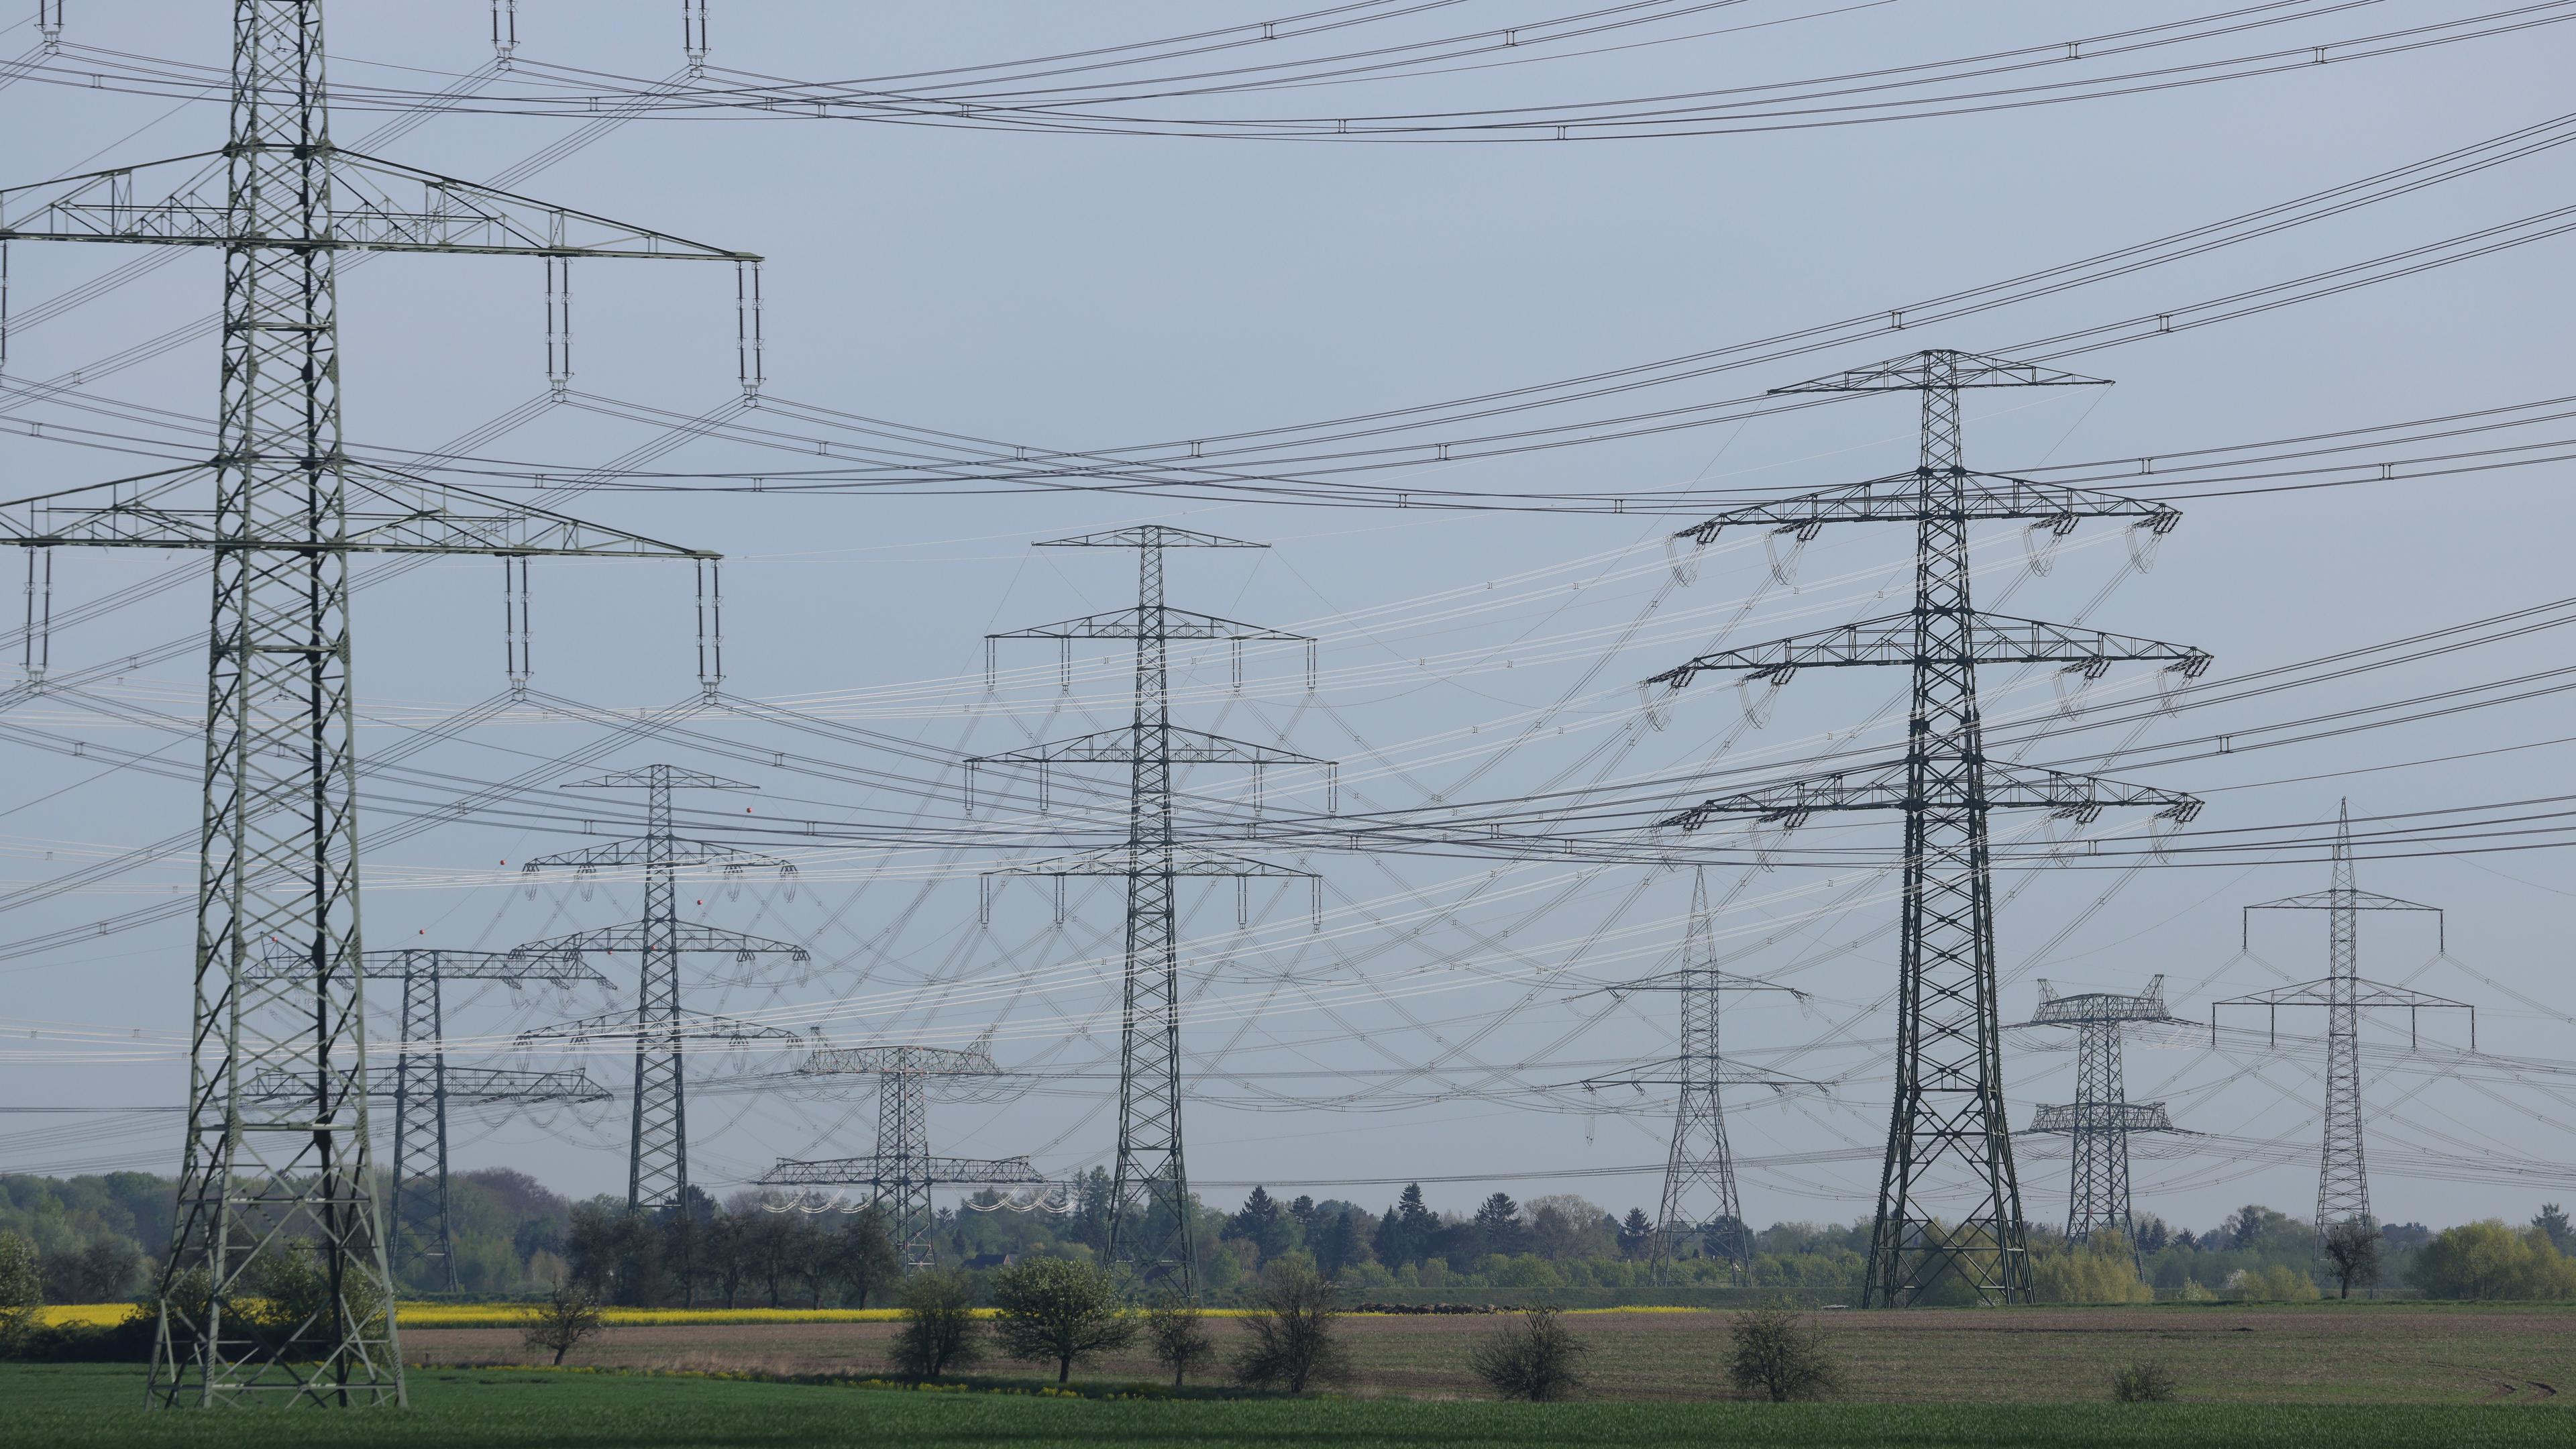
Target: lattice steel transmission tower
[
  {"x": 267, "y": 1177},
  {"x": 420, "y": 1083},
  {"x": 1699, "y": 1199},
  {"x": 2343, "y": 1180},
  {"x": 2101, "y": 1119},
  {"x": 902, "y": 1171},
  {"x": 1150, "y": 1222},
  {"x": 657, "y": 1164},
  {"x": 1949, "y": 1110}
]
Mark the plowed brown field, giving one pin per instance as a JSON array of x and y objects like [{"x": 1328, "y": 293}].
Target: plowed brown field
[{"x": 2318, "y": 1353}]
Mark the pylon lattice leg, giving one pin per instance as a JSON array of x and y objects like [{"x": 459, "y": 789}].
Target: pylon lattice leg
[
  {"x": 1948, "y": 1125},
  {"x": 270, "y": 1188}
]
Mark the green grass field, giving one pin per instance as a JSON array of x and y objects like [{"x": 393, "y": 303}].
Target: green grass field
[{"x": 76, "y": 1406}]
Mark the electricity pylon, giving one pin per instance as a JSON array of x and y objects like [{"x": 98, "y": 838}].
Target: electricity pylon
[
  {"x": 1700, "y": 1198},
  {"x": 901, "y": 1172},
  {"x": 264, "y": 1179},
  {"x": 421, "y": 1083},
  {"x": 2101, "y": 1119},
  {"x": 1150, "y": 1224},
  {"x": 1949, "y": 1109},
  {"x": 657, "y": 1163},
  {"x": 2343, "y": 1182}
]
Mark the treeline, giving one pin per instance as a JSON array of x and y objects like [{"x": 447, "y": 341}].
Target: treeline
[{"x": 96, "y": 1239}]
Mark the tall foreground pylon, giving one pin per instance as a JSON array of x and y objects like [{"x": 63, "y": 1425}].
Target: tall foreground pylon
[
  {"x": 275, "y": 1201},
  {"x": 1150, "y": 1226},
  {"x": 2343, "y": 1177},
  {"x": 1948, "y": 1138}
]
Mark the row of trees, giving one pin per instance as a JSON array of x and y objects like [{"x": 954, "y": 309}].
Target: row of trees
[{"x": 739, "y": 1255}]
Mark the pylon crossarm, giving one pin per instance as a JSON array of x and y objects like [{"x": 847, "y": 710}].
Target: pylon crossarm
[
  {"x": 479, "y": 1084},
  {"x": 975, "y": 1061},
  {"x": 2073, "y": 797},
  {"x": 1118, "y": 747},
  {"x": 189, "y": 205},
  {"x": 560, "y": 968},
  {"x": 877, "y": 1168},
  {"x": 1898, "y": 639},
  {"x": 1944, "y": 368},
  {"x": 1121, "y": 861},
  {"x": 1170, "y": 623},
  {"x": 678, "y": 854},
  {"x": 1149, "y": 535},
  {"x": 1675, "y": 1072},
  {"x": 687, "y": 1026},
  {"x": 639, "y": 935},
  {"x": 386, "y": 514},
  {"x": 1898, "y": 498},
  {"x": 2363, "y": 992},
  {"x": 2105, "y": 1117}
]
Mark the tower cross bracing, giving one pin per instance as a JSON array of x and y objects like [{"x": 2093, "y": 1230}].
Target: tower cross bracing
[{"x": 2101, "y": 1119}]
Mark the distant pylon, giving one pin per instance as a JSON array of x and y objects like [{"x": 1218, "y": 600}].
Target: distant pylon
[
  {"x": 657, "y": 1165},
  {"x": 902, "y": 1171},
  {"x": 1150, "y": 1225},
  {"x": 420, "y": 1084},
  {"x": 1699, "y": 1199},
  {"x": 2101, "y": 1119},
  {"x": 2343, "y": 1179},
  {"x": 1948, "y": 1133}
]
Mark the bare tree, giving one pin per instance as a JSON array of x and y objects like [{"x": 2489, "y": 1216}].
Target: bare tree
[
  {"x": 2352, "y": 1252},
  {"x": 2143, "y": 1382},
  {"x": 1294, "y": 1336},
  {"x": 1536, "y": 1358},
  {"x": 1781, "y": 1356},
  {"x": 865, "y": 1256},
  {"x": 560, "y": 1324},
  {"x": 1177, "y": 1333}
]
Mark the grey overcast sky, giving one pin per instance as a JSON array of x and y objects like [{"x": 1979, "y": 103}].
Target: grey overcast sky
[{"x": 1095, "y": 291}]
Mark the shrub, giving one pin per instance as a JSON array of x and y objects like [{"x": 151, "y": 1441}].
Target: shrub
[
  {"x": 2143, "y": 1382},
  {"x": 1176, "y": 1332},
  {"x": 1057, "y": 1310},
  {"x": 2489, "y": 1260},
  {"x": 1294, "y": 1338},
  {"x": 1780, "y": 1356},
  {"x": 939, "y": 1329},
  {"x": 2100, "y": 1270},
  {"x": 22, "y": 1287},
  {"x": 2272, "y": 1284},
  {"x": 568, "y": 1316},
  {"x": 1535, "y": 1358}
]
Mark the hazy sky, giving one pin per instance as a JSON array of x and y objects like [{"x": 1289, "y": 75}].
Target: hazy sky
[{"x": 1100, "y": 291}]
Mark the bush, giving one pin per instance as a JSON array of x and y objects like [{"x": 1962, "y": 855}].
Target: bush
[
  {"x": 939, "y": 1329},
  {"x": 2489, "y": 1260},
  {"x": 2273, "y": 1284},
  {"x": 1780, "y": 1356},
  {"x": 2143, "y": 1382},
  {"x": 1057, "y": 1310},
  {"x": 1536, "y": 1358},
  {"x": 1176, "y": 1333},
  {"x": 560, "y": 1324},
  {"x": 22, "y": 1287},
  {"x": 2100, "y": 1270},
  {"x": 1293, "y": 1332}
]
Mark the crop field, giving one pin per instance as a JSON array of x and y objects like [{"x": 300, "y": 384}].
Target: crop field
[
  {"x": 2282, "y": 1354},
  {"x": 94, "y": 1407}
]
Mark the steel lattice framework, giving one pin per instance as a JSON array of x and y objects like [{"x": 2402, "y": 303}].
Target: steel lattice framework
[
  {"x": 1948, "y": 1120},
  {"x": 657, "y": 1163},
  {"x": 1700, "y": 1200},
  {"x": 1150, "y": 1223},
  {"x": 2101, "y": 1119},
  {"x": 266, "y": 1180},
  {"x": 2343, "y": 1179},
  {"x": 902, "y": 1171},
  {"x": 421, "y": 1083}
]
